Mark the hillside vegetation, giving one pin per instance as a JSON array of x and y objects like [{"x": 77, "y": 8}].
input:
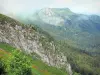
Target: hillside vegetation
[
  {"x": 81, "y": 61},
  {"x": 15, "y": 62}
]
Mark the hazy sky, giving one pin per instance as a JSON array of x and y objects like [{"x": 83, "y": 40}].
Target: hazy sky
[{"x": 80, "y": 6}]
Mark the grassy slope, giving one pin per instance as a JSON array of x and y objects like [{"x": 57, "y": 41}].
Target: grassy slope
[{"x": 38, "y": 67}]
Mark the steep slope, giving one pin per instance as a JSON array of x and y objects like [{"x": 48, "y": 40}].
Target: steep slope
[
  {"x": 36, "y": 66},
  {"x": 32, "y": 40},
  {"x": 81, "y": 30}
]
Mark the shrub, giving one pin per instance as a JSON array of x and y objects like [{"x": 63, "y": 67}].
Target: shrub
[
  {"x": 18, "y": 64},
  {"x": 2, "y": 68}
]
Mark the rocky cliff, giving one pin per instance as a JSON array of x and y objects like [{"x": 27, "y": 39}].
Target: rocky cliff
[{"x": 30, "y": 40}]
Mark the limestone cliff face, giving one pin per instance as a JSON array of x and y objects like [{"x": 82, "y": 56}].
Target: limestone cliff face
[{"x": 29, "y": 40}]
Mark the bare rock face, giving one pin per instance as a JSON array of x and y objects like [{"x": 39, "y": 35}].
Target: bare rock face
[
  {"x": 50, "y": 17},
  {"x": 28, "y": 39}
]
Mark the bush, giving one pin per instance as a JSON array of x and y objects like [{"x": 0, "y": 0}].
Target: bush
[
  {"x": 18, "y": 64},
  {"x": 2, "y": 68}
]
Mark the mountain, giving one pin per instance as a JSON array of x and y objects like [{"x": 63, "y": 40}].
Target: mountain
[
  {"x": 50, "y": 52},
  {"x": 32, "y": 40},
  {"x": 79, "y": 30},
  {"x": 53, "y": 16}
]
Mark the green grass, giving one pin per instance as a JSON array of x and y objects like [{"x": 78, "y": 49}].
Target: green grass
[
  {"x": 6, "y": 47},
  {"x": 50, "y": 70}
]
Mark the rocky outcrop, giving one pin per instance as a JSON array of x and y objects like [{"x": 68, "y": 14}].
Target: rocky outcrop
[{"x": 31, "y": 41}]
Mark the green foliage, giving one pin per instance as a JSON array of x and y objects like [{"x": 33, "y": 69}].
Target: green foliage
[
  {"x": 2, "y": 68},
  {"x": 18, "y": 64}
]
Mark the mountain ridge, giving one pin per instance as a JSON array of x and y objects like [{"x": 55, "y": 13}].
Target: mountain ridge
[{"x": 83, "y": 30}]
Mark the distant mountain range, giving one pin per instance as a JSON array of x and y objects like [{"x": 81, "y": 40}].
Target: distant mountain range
[{"x": 79, "y": 30}]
